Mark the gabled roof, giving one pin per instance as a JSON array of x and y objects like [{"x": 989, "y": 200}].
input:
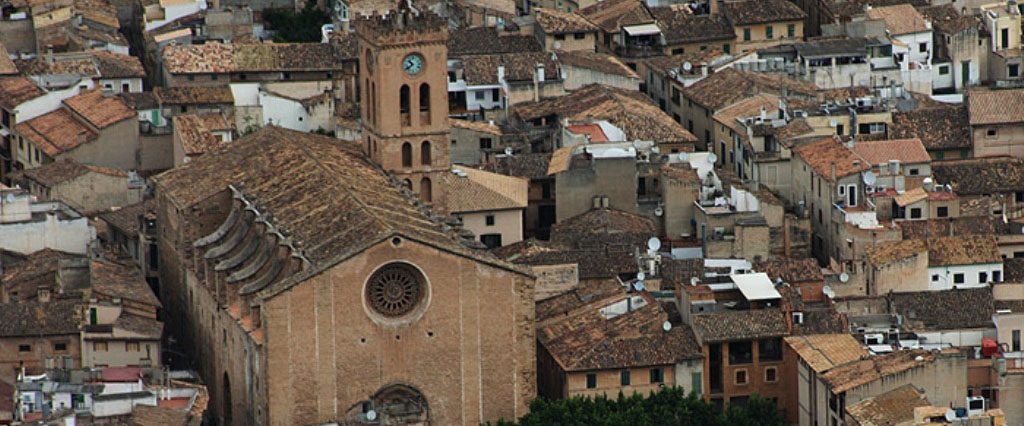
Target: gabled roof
[
  {"x": 791, "y": 270},
  {"x": 519, "y": 67},
  {"x": 827, "y": 152},
  {"x": 938, "y": 128},
  {"x": 724, "y": 326},
  {"x": 16, "y": 90},
  {"x": 728, "y": 86},
  {"x": 679, "y": 25},
  {"x": 894, "y": 407},
  {"x": 596, "y": 61},
  {"x": 611, "y": 15},
  {"x": 95, "y": 63},
  {"x": 963, "y": 225},
  {"x": 891, "y": 251},
  {"x": 7, "y": 66},
  {"x": 554, "y": 21},
  {"x": 944, "y": 310},
  {"x": 60, "y": 171},
  {"x": 906, "y": 151},
  {"x": 630, "y": 111},
  {"x": 822, "y": 352},
  {"x": 101, "y": 111},
  {"x": 126, "y": 218},
  {"x": 215, "y": 57},
  {"x": 53, "y": 318},
  {"x": 484, "y": 191},
  {"x": 963, "y": 250},
  {"x": 195, "y": 137},
  {"x": 188, "y": 95},
  {"x": 115, "y": 280},
  {"x": 489, "y": 41},
  {"x": 859, "y": 373},
  {"x": 762, "y": 11},
  {"x": 948, "y": 19},
  {"x": 981, "y": 176},
  {"x": 56, "y": 132},
  {"x": 995, "y": 106},
  {"x": 900, "y": 19}
]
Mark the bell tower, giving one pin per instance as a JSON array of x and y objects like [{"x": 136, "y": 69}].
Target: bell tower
[{"x": 403, "y": 81}]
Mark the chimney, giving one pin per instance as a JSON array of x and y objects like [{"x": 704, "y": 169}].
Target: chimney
[
  {"x": 43, "y": 294},
  {"x": 764, "y": 114},
  {"x": 501, "y": 73},
  {"x": 49, "y": 54},
  {"x": 540, "y": 72},
  {"x": 597, "y": 202},
  {"x": 604, "y": 201}
]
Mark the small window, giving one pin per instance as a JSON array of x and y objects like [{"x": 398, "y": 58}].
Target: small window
[
  {"x": 771, "y": 375},
  {"x": 485, "y": 143},
  {"x": 479, "y": 95},
  {"x": 991, "y": 133},
  {"x": 489, "y": 220},
  {"x": 191, "y": 78},
  {"x": 935, "y": 278},
  {"x": 1018, "y": 196},
  {"x": 922, "y": 47},
  {"x": 657, "y": 375},
  {"x": 287, "y": 76},
  {"x": 791, "y": 30},
  {"x": 769, "y": 32},
  {"x": 798, "y": 318},
  {"x": 99, "y": 346},
  {"x": 24, "y": 348},
  {"x": 579, "y": 36},
  {"x": 915, "y": 172},
  {"x": 213, "y": 77},
  {"x": 591, "y": 380},
  {"x": 746, "y": 34},
  {"x": 741, "y": 377},
  {"x": 624, "y": 378},
  {"x": 944, "y": 70},
  {"x": 559, "y": 36},
  {"x": 915, "y": 213},
  {"x": 997, "y": 276},
  {"x": 942, "y": 211},
  {"x": 60, "y": 347},
  {"x": 982, "y": 277},
  {"x": 958, "y": 278},
  {"x": 1013, "y": 70}
]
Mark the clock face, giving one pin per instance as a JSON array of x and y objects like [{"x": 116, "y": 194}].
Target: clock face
[{"x": 413, "y": 64}]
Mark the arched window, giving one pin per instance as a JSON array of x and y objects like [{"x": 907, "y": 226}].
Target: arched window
[
  {"x": 407, "y": 154},
  {"x": 373, "y": 103},
  {"x": 425, "y": 103},
  {"x": 407, "y": 183},
  {"x": 403, "y": 95},
  {"x": 425, "y": 153},
  {"x": 426, "y": 191}
]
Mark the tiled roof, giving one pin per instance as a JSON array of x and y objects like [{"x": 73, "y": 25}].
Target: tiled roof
[
  {"x": 609, "y": 226},
  {"x": 995, "y": 106},
  {"x": 979, "y": 176},
  {"x": 679, "y": 25},
  {"x": 859, "y": 373},
  {"x": 791, "y": 270},
  {"x": 827, "y": 152},
  {"x": 630, "y": 111},
  {"x": 554, "y": 21},
  {"x": 528, "y": 165},
  {"x": 890, "y": 408},
  {"x": 728, "y": 325},
  {"x": 37, "y": 270},
  {"x": 139, "y": 101},
  {"x": 64, "y": 170},
  {"x": 963, "y": 250},
  {"x": 16, "y": 90},
  {"x": 585, "y": 293},
  {"x": 729, "y": 86},
  {"x": 582, "y": 339},
  {"x": 698, "y": 59},
  {"x": 146, "y": 415},
  {"x": 53, "y": 318},
  {"x": 944, "y": 310},
  {"x": 484, "y": 191},
  {"x": 262, "y": 57},
  {"x": 1013, "y": 270},
  {"x": 126, "y": 218},
  {"x": 612, "y": 15},
  {"x": 888, "y": 252},
  {"x": 947, "y": 18},
  {"x": 519, "y": 67},
  {"x": 906, "y": 151},
  {"x": 792, "y": 130},
  {"x": 822, "y": 352},
  {"x": 899, "y": 19},
  {"x": 56, "y": 132},
  {"x": 489, "y": 41},
  {"x": 7, "y": 66},
  {"x": 477, "y": 126},
  {"x": 194, "y": 136},
  {"x": 95, "y": 63},
  {"x": 601, "y": 62},
  {"x": 100, "y": 110},
  {"x": 762, "y": 11},
  {"x": 964, "y": 225},
  {"x": 680, "y": 272},
  {"x": 115, "y": 280},
  {"x": 194, "y": 95},
  {"x": 749, "y": 107},
  {"x": 938, "y": 128},
  {"x": 331, "y": 198}
]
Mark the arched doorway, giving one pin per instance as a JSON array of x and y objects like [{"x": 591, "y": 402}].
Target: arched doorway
[
  {"x": 395, "y": 404},
  {"x": 226, "y": 407}
]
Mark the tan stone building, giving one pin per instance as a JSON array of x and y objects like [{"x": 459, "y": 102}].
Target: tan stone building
[
  {"x": 995, "y": 119},
  {"x": 557, "y": 30},
  {"x": 764, "y": 23},
  {"x": 85, "y": 188},
  {"x": 314, "y": 289}
]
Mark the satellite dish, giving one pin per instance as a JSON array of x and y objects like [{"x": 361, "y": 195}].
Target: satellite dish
[
  {"x": 684, "y": 156},
  {"x": 640, "y": 276},
  {"x": 371, "y": 415},
  {"x": 557, "y": 45},
  {"x": 869, "y": 177},
  {"x": 694, "y": 281},
  {"x": 639, "y": 286},
  {"x": 950, "y": 415},
  {"x": 844, "y": 277},
  {"x": 687, "y": 66},
  {"x": 712, "y": 158},
  {"x": 508, "y": 150},
  {"x": 654, "y": 243},
  {"x": 659, "y": 211},
  {"x": 828, "y": 292},
  {"x": 667, "y": 326}
]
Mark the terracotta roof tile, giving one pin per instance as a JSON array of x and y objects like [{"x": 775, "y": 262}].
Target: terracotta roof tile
[
  {"x": 96, "y": 63},
  {"x": 484, "y": 191},
  {"x": 489, "y": 41},
  {"x": 822, "y": 352},
  {"x": 477, "y": 126},
  {"x": 56, "y": 132},
  {"x": 612, "y": 15},
  {"x": 519, "y": 67},
  {"x": 554, "y": 21},
  {"x": 906, "y": 151},
  {"x": 746, "y": 108},
  {"x": 528, "y": 165},
  {"x": 762, "y": 11},
  {"x": 100, "y": 110},
  {"x": 601, "y": 62},
  {"x": 115, "y": 280},
  {"x": 890, "y": 408},
  {"x": 948, "y": 19},
  {"x": 63, "y": 170},
  {"x": 262, "y": 57},
  {"x": 194, "y": 95},
  {"x": 980, "y": 176},
  {"x": 16, "y": 90},
  {"x": 729, "y": 86},
  {"x": 995, "y": 106},
  {"x": 7, "y": 66},
  {"x": 679, "y": 25},
  {"x": 899, "y": 19},
  {"x": 888, "y": 252},
  {"x": 964, "y": 225},
  {"x": 728, "y": 325},
  {"x": 126, "y": 218},
  {"x": 859, "y": 373},
  {"x": 196, "y": 138},
  {"x": 823, "y": 154},
  {"x": 963, "y": 250},
  {"x": 630, "y": 111},
  {"x": 938, "y": 128},
  {"x": 22, "y": 280},
  {"x": 944, "y": 310},
  {"x": 793, "y": 271},
  {"x": 53, "y": 318}
]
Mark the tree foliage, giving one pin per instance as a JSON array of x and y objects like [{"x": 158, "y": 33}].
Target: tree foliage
[
  {"x": 296, "y": 27},
  {"x": 667, "y": 407}
]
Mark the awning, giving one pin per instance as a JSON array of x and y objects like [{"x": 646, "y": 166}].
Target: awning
[
  {"x": 641, "y": 30},
  {"x": 756, "y": 286}
]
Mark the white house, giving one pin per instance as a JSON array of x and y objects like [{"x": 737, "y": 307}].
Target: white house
[
  {"x": 964, "y": 261},
  {"x": 27, "y": 226}
]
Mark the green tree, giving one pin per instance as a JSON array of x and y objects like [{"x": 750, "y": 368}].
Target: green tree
[
  {"x": 296, "y": 27},
  {"x": 666, "y": 407}
]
